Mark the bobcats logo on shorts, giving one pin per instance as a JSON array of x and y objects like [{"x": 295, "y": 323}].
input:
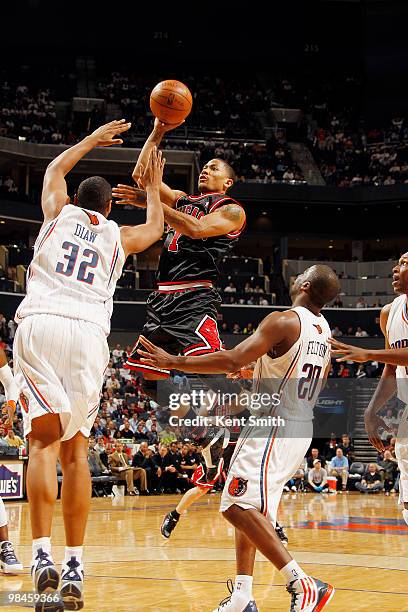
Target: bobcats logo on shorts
[
  {"x": 238, "y": 486},
  {"x": 24, "y": 402}
]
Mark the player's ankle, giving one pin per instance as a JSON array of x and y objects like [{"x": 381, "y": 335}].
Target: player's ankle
[{"x": 292, "y": 571}]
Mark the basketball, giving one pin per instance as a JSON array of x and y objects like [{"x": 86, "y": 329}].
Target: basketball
[{"x": 171, "y": 101}]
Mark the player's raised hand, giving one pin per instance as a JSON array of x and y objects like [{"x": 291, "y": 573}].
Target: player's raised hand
[
  {"x": 104, "y": 136},
  {"x": 161, "y": 127},
  {"x": 129, "y": 195},
  {"x": 154, "y": 355},
  {"x": 347, "y": 352},
  {"x": 153, "y": 173}
]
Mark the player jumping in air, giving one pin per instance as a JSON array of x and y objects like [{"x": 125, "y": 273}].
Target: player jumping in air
[
  {"x": 394, "y": 379},
  {"x": 60, "y": 348},
  {"x": 293, "y": 359}
]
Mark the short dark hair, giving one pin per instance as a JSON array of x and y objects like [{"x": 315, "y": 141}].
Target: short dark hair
[
  {"x": 229, "y": 169},
  {"x": 324, "y": 284},
  {"x": 94, "y": 193}
]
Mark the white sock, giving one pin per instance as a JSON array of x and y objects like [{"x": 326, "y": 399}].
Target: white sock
[
  {"x": 292, "y": 571},
  {"x": 243, "y": 587},
  {"x": 405, "y": 515},
  {"x": 44, "y": 543},
  {"x": 8, "y": 382},
  {"x": 73, "y": 551}
]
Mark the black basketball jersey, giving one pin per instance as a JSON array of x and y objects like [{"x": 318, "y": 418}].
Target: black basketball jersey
[{"x": 185, "y": 259}]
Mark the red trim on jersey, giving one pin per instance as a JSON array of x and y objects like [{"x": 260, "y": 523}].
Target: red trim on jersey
[
  {"x": 235, "y": 233},
  {"x": 204, "y": 195}
]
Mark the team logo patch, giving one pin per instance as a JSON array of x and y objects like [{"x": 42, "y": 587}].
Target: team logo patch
[
  {"x": 93, "y": 218},
  {"x": 238, "y": 486},
  {"x": 319, "y": 329},
  {"x": 24, "y": 402}
]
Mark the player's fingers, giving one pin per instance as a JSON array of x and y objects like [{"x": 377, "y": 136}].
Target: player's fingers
[
  {"x": 340, "y": 359},
  {"x": 146, "y": 343},
  {"x": 148, "y": 361},
  {"x": 115, "y": 141},
  {"x": 145, "y": 353}
]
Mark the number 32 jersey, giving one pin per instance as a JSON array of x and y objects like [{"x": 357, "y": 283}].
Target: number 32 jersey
[
  {"x": 297, "y": 376},
  {"x": 78, "y": 258}
]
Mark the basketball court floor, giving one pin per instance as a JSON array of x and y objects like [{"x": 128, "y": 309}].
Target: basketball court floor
[{"x": 358, "y": 543}]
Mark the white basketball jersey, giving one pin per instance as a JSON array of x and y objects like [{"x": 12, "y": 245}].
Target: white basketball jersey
[
  {"x": 78, "y": 258},
  {"x": 297, "y": 375},
  {"x": 397, "y": 334}
]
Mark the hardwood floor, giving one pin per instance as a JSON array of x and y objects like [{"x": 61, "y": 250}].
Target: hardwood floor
[{"x": 358, "y": 543}]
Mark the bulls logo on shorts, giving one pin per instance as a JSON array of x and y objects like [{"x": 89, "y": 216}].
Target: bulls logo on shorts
[
  {"x": 238, "y": 486},
  {"x": 24, "y": 402}
]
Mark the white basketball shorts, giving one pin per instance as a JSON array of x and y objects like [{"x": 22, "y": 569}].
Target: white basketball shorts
[
  {"x": 261, "y": 466},
  {"x": 59, "y": 365}
]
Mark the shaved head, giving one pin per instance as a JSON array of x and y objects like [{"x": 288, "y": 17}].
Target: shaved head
[{"x": 320, "y": 282}]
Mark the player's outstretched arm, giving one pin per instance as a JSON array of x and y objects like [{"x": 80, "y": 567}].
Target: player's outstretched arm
[
  {"x": 168, "y": 196},
  {"x": 274, "y": 329},
  {"x": 226, "y": 219},
  {"x": 139, "y": 238},
  {"x": 54, "y": 194},
  {"x": 385, "y": 390}
]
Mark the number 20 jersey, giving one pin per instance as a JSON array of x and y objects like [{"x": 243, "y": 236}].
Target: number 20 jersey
[
  {"x": 297, "y": 376},
  {"x": 78, "y": 258},
  {"x": 184, "y": 258}
]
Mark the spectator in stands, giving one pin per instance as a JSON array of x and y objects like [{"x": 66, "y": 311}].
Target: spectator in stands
[
  {"x": 314, "y": 454},
  {"x": 141, "y": 433},
  {"x": 339, "y": 467},
  {"x": 171, "y": 481},
  {"x": 347, "y": 447},
  {"x": 344, "y": 371},
  {"x": 188, "y": 462},
  {"x": 153, "y": 435},
  {"x": 117, "y": 354},
  {"x": 361, "y": 303},
  {"x": 361, "y": 371},
  {"x": 127, "y": 432},
  {"x": 371, "y": 481},
  {"x": 248, "y": 330},
  {"x": 158, "y": 461},
  {"x": 330, "y": 447},
  {"x": 317, "y": 478},
  {"x": 236, "y": 329},
  {"x": 95, "y": 462},
  {"x": 100, "y": 448},
  {"x": 390, "y": 467},
  {"x": 119, "y": 465},
  {"x": 143, "y": 459},
  {"x": 296, "y": 483},
  {"x": 248, "y": 288},
  {"x": 350, "y": 331},
  {"x": 258, "y": 289},
  {"x": 361, "y": 333},
  {"x": 13, "y": 440},
  {"x": 337, "y": 303},
  {"x": 230, "y": 288},
  {"x": 336, "y": 332}
]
